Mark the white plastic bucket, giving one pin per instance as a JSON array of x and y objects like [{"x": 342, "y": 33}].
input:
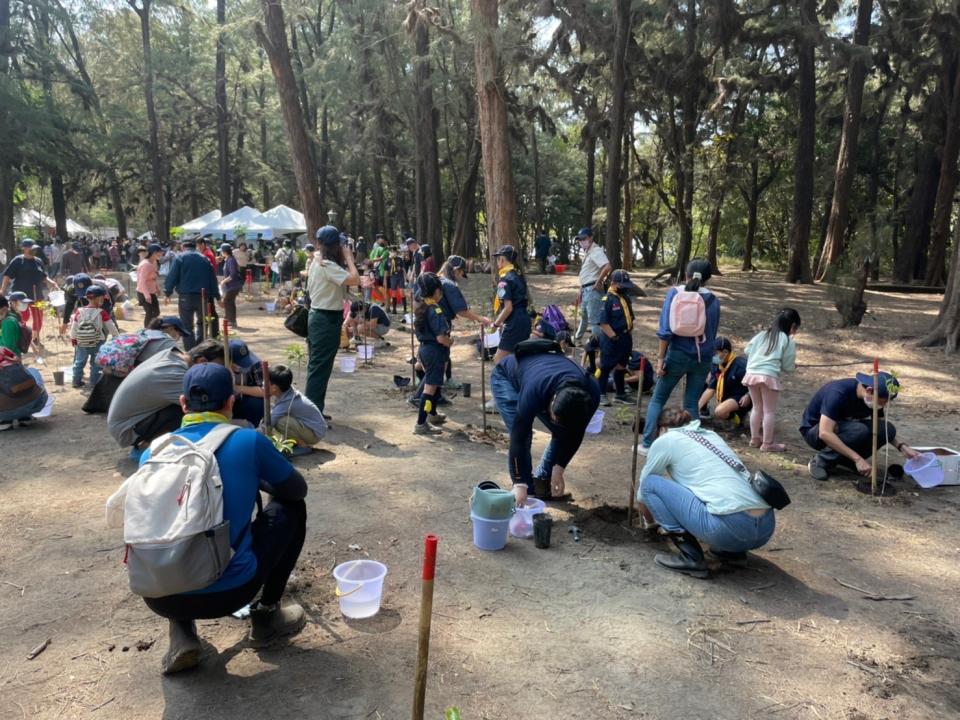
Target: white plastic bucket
[
  {"x": 596, "y": 423},
  {"x": 521, "y": 524},
  {"x": 408, "y": 319},
  {"x": 925, "y": 469},
  {"x": 489, "y": 534},
  {"x": 271, "y": 307},
  {"x": 360, "y": 587},
  {"x": 491, "y": 340},
  {"x": 58, "y": 298},
  {"x": 365, "y": 352},
  {"x": 348, "y": 364}
]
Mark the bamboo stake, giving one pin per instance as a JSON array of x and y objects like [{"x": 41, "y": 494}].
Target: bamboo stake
[
  {"x": 426, "y": 613},
  {"x": 483, "y": 376},
  {"x": 413, "y": 352},
  {"x": 226, "y": 344},
  {"x": 876, "y": 414},
  {"x": 203, "y": 314},
  {"x": 636, "y": 442},
  {"x": 265, "y": 366}
]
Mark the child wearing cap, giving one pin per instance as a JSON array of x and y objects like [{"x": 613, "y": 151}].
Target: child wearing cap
[
  {"x": 248, "y": 379},
  {"x": 726, "y": 384},
  {"x": 510, "y": 303},
  {"x": 433, "y": 331},
  {"x": 374, "y": 325},
  {"x": 89, "y": 327},
  {"x": 292, "y": 414},
  {"x": 616, "y": 339}
]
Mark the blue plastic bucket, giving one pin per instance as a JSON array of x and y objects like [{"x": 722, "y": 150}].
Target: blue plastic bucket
[{"x": 489, "y": 534}]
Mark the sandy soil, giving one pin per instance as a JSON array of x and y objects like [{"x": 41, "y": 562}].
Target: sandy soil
[{"x": 583, "y": 630}]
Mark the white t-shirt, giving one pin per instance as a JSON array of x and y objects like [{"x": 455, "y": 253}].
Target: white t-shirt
[{"x": 593, "y": 263}]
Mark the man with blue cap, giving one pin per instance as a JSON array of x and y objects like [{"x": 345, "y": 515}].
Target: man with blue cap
[
  {"x": 838, "y": 421},
  {"x": 265, "y": 550},
  {"x": 189, "y": 276}
]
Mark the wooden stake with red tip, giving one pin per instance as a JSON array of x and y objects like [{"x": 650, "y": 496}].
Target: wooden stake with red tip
[
  {"x": 876, "y": 423},
  {"x": 426, "y": 613}
]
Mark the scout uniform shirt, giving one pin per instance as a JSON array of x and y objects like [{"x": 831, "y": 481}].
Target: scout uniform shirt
[
  {"x": 617, "y": 312},
  {"x": 511, "y": 287}
]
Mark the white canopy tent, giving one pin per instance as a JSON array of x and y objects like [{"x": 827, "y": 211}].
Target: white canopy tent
[
  {"x": 32, "y": 219},
  {"x": 198, "y": 224},
  {"x": 284, "y": 220},
  {"x": 246, "y": 217}
]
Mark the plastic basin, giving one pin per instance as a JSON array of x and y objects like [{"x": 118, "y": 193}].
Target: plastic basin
[
  {"x": 925, "y": 469},
  {"x": 348, "y": 364},
  {"x": 521, "y": 524},
  {"x": 491, "y": 340},
  {"x": 596, "y": 423},
  {"x": 489, "y": 534},
  {"x": 365, "y": 352},
  {"x": 360, "y": 587},
  {"x": 270, "y": 307}
]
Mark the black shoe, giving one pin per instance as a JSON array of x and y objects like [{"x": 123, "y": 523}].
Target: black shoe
[
  {"x": 689, "y": 561},
  {"x": 443, "y": 401},
  {"x": 818, "y": 471},
  {"x": 414, "y": 401}
]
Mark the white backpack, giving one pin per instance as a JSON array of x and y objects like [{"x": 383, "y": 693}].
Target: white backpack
[{"x": 171, "y": 511}]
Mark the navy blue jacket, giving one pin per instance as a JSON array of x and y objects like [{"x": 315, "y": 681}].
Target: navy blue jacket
[
  {"x": 536, "y": 379},
  {"x": 191, "y": 273}
]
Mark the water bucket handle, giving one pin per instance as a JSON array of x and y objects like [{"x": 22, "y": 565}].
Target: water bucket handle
[{"x": 360, "y": 583}]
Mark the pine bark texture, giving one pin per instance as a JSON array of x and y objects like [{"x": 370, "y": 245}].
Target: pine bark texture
[{"x": 618, "y": 62}]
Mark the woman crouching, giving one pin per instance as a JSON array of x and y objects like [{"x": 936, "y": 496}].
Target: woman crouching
[{"x": 705, "y": 498}]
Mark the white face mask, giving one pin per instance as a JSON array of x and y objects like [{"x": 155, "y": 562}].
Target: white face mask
[
  {"x": 716, "y": 360},
  {"x": 868, "y": 401}
]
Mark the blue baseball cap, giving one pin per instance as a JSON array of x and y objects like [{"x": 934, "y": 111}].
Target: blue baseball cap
[
  {"x": 174, "y": 322},
  {"x": 328, "y": 235},
  {"x": 584, "y": 232},
  {"x": 889, "y": 385},
  {"x": 153, "y": 248},
  {"x": 241, "y": 356},
  {"x": 19, "y": 297},
  {"x": 81, "y": 281},
  {"x": 623, "y": 281},
  {"x": 28, "y": 243},
  {"x": 95, "y": 291},
  {"x": 207, "y": 386}
]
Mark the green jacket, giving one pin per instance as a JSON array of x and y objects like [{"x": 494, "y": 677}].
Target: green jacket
[{"x": 10, "y": 334}]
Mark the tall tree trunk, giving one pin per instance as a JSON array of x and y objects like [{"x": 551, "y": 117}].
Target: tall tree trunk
[
  {"x": 537, "y": 185},
  {"x": 160, "y": 226},
  {"x": 465, "y": 216},
  {"x": 116, "y": 199},
  {"x": 6, "y": 162},
  {"x": 946, "y": 330},
  {"x": 847, "y": 156},
  {"x": 498, "y": 184},
  {"x": 220, "y": 95},
  {"x": 688, "y": 107},
  {"x": 798, "y": 270},
  {"x": 753, "y": 200},
  {"x": 936, "y": 271},
  {"x": 273, "y": 39},
  {"x": 262, "y": 102},
  {"x": 627, "y": 203},
  {"x": 59, "y": 200},
  {"x": 588, "y": 202},
  {"x": 236, "y": 170},
  {"x": 618, "y": 89}
]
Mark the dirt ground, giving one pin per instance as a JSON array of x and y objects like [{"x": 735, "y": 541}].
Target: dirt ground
[{"x": 582, "y": 630}]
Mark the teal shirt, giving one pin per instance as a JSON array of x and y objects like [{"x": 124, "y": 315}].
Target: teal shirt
[
  {"x": 721, "y": 488},
  {"x": 783, "y": 357},
  {"x": 10, "y": 334}
]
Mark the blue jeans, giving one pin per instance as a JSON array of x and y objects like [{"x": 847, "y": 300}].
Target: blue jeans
[
  {"x": 590, "y": 306},
  {"x": 678, "y": 510},
  {"x": 678, "y": 365},
  {"x": 506, "y": 397},
  {"x": 81, "y": 356}
]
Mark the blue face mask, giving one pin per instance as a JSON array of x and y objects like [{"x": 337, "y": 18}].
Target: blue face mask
[{"x": 716, "y": 360}]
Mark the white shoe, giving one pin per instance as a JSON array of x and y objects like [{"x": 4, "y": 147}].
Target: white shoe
[
  {"x": 642, "y": 451},
  {"x": 491, "y": 407}
]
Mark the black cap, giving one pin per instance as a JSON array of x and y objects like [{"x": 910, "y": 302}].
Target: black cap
[{"x": 507, "y": 251}]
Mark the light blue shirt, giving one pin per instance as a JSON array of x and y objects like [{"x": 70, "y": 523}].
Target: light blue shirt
[
  {"x": 721, "y": 488},
  {"x": 783, "y": 357}
]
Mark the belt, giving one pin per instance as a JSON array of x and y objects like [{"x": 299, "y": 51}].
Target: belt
[{"x": 589, "y": 284}]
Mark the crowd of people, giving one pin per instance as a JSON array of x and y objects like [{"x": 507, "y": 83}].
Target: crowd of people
[{"x": 176, "y": 376}]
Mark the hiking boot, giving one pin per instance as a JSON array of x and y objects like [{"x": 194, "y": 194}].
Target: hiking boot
[
  {"x": 269, "y": 623},
  {"x": 184, "y": 650},
  {"x": 689, "y": 561},
  {"x": 818, "y": 471},
  {"x": 605, "y": 400},
  {"x": 437, "y": 419},
  {"x": 426, "y": 429}
]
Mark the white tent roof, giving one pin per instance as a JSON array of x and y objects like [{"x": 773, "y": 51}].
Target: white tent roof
[
  {"x": 197, "y": 224},
  {"x": 31, "y": 218},
  {"x": 74, "y": 227},
  {"x": 284, "y": 220},
  {"x": 246, "y": 217}
]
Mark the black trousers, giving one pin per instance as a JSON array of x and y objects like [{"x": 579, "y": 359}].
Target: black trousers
[
  {"x": 856, "y": 435},
  {"x": 278, "y": 534},
  {"x": 160, "y": 423},
  {"x": 150, "y": 309}
]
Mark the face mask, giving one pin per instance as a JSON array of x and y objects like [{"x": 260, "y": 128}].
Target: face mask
[
  {"x": 868, "y": 401},
  {"x": 584, "y": 244},
  {"x": 716, "y": 360}
]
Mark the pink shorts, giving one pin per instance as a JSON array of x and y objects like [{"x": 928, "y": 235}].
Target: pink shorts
[{"x": 752, "y": 379}]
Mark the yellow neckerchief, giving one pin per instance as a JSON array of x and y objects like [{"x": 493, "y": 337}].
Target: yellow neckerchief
[
  {"x": 500, "y": 273},
  {"x": 722, "y": 375},
  {"x": 203, "y": 417},
  {"x": 626, "y": 309}
]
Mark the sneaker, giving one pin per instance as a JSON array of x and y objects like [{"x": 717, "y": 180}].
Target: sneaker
[
  {"x": 268, "y": 624},
  {"x": 78, "y": 385},
  {"x": 624, "y": 399},
  {"x": 414, "y": 401},
  {"x": 301, "y": 450},
  {"x": 6, "y": 426},
  {"x": 491, "y": 407},
  {"x": 185, "y": 649},
  {"x": 24, "y": 422},
  {"x": 818, "y": 471},
  {"x": 426, "y": 429},
  {"x": 437, "y": 419},
  {"x": 642, "y": 450},
  {"x": 443, "y": 402},
  {"x": 605, "y": 400}
]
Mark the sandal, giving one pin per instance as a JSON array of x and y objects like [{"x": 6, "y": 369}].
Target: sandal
[
  {"x": 755, "y": 442},
  {"x": 773, "y": 447}
]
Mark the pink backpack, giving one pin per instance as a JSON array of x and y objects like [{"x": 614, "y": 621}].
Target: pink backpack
[{"x": 688, "y": 316}]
